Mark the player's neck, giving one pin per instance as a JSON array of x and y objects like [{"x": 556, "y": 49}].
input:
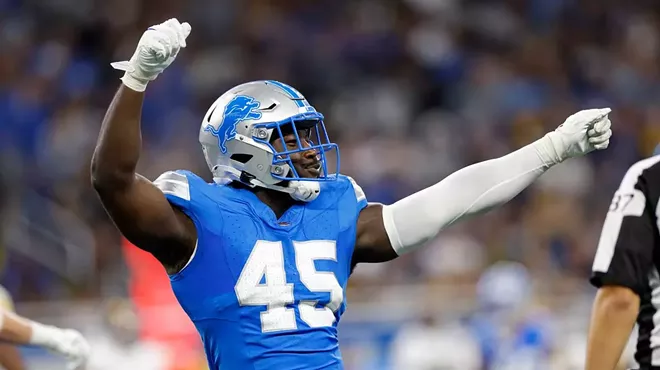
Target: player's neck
[{"x": 277, "y": 201}]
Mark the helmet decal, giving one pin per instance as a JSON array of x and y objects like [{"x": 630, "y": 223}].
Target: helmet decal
[{"x": 240, "y": 108}]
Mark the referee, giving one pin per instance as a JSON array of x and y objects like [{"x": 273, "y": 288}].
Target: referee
[{"x": 625, "y": 270}]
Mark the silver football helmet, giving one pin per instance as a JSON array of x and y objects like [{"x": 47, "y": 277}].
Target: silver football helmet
[{"x": 236, "y": 136}]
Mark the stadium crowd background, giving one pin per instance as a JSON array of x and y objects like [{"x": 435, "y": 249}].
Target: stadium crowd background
[{"x": 411, "y": 89}]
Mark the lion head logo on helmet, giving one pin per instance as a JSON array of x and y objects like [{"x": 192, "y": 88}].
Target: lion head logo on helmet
[{"x": 240, "y": 108}]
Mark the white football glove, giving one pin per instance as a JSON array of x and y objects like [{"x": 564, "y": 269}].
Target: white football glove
[
  {"x": 73, "y": 346},
  {"x": 65, "y": 342},
  {"x": 70, "y": 344},
  {"x": 581, "y": 133},
  {"x": 156, "y": 50}
]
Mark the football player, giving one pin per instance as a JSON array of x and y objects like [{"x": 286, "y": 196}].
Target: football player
[{"x": 259, "y": 258}]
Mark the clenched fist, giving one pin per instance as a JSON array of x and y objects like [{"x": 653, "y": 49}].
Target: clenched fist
[
  {"x": 581, "y": 133},
  {"x": 156, "y": 50}
]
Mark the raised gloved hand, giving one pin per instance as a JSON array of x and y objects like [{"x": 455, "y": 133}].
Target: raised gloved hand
[
  {"x": 581, "y": 133},
  {"x": 156, "y": 50}
]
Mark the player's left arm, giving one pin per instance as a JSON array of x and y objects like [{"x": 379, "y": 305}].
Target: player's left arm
[{"x": 385, "y": 232}]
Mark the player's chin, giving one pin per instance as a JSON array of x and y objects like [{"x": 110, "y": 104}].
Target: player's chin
[{"x": 309, "y": 172}]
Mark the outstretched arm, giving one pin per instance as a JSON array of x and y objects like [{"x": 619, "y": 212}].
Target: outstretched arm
[
  {"x": 137, "y": 207},
  {"x": 385, "y": 232},
  {"x": 21, "y": 331}
]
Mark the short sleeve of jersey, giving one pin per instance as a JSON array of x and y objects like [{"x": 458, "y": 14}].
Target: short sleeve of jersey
[
  {"x": 359, "y": 194},
  {"x": 178, "y": 187},
  {"x": 630, "y": 233}
]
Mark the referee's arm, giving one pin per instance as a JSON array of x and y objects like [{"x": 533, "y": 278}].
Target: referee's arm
[
  {"x": 612, "y": 318},
  {"x": 621, "y": 268}
]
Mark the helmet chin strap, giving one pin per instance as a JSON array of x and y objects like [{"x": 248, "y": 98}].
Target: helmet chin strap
[{"x": 304, "y": 191}]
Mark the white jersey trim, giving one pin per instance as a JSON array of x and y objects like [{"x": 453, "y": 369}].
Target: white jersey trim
[
  {"x": 174, "y": 183},
  {"x": 359, "y": 193},
  {"x": 654, "y": 284},
  {"x": 627, "y": 201},
  {"x": 191, "y": 258}
]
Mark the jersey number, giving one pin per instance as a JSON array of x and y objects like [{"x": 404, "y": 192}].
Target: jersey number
[
  {"x": 267, "y": 261},
  {"x": 620, "y": 202}
]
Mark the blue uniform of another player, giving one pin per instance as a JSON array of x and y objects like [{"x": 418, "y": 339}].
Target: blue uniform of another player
[{"x": 266, "y": 293}]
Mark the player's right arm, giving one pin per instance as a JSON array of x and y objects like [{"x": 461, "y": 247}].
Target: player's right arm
[
  {"x": 623, "y": 266},
  {"x": 138, "y": 208}
]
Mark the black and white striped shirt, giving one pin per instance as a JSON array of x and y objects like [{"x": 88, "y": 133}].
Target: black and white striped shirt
[{"x": 629, "y": 252}]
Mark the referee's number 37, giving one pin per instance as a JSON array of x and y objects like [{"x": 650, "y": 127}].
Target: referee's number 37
[{"x": 621, "y": 201}]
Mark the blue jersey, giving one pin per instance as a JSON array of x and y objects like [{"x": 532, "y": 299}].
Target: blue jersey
[{"x": 266, "y": 293}]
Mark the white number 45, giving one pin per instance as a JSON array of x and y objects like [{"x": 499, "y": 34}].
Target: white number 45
[{"x": 267, "y": 261}]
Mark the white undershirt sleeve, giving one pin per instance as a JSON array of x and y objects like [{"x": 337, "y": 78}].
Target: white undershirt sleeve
[{"x": 416, "y": 219}]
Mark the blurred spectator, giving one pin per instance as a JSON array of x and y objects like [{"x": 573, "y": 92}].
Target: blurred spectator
[
  {"x": 511, "y": 332},
  {"x": 429, "y": 345}
]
